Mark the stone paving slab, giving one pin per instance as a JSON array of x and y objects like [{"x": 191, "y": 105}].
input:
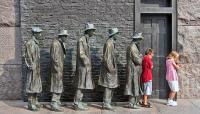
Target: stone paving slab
[{"x": 184, "y": 107}]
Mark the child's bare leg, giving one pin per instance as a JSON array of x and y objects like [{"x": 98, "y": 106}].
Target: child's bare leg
[
  {"x": 175, "y": 98},
  {"x": 172, "y": 95},
  {"x": 145, "y": 99}
]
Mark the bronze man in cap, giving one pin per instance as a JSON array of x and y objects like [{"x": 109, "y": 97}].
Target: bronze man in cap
[
  {"x": 57, "y": 55},
  {"x": 32, "y": 60},
  {"x": 133, "y": 71},
  {"x": 83, "y": 67},
  {"x": 108, "y": 78}
]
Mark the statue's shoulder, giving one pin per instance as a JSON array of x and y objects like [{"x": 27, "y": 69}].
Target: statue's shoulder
[
  {"x": 109, "y": 42},
  {"x": 128, "y": 47},
  {"x": 133, "y": 47},
  {"x": 29, "y": 42},
  {"x": 55, "y": 41},
  {"x": 81, "y": 39},
  {"x": 130, "y": 44}
]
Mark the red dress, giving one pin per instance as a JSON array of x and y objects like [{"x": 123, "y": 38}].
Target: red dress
[{"x": 147, "y": 66}]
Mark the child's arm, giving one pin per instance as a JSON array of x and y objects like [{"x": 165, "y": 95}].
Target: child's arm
[
  {"x": 176, "y": 65},
  {"x": 150, "y": 64},
  {"x": 152, "y": 67}
]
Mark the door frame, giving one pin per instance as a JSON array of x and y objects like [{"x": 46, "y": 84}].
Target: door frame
[{"x": 139, "y": 10}]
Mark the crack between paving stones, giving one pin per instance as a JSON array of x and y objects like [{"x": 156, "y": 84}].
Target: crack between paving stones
[{"x": 195, "y": 105}]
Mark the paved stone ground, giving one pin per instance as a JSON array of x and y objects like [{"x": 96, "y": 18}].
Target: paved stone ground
[{"x": 186, "y": 106}]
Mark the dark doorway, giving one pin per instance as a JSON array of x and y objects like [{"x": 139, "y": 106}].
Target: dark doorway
[
  {"x": 158, "y": 36},
  {"x": 157, "y": 19}
]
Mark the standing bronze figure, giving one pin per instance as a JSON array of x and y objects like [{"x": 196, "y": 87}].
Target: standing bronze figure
[
  {"x": 83, "y": 67},
  {"x": 133, "y": 70},
  {"x": 108, "y": 78},
  {"x": 57, "y": 55},
  {"x": 32, "y": 60}
]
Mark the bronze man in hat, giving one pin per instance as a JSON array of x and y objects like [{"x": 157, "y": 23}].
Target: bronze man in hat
[
  {"x": 83, "y": 67},
  {"x": 133, "y": 70},
  {"x": 108, "y": 78},
  {"x": 57, "y": 55},
  {"x": 32, "y": 60}
]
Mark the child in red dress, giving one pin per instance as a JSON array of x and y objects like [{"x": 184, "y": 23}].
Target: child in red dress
[{"x": 146, "y": 77}]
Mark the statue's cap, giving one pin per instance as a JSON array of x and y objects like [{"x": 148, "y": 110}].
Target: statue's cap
[{"x": 36, "y": 29}]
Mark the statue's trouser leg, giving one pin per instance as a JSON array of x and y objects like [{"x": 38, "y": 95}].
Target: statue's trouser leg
[
  {"x": 107, "y": 96},
  {"x": 78, "y": 97},
  {"x": 133, "y": 100},
  {"x": 36, "y": 100},
  {"x": 30, "y": 100},
  {"x": 55, "y": 101},
  {"x": 56, "y": 97}
]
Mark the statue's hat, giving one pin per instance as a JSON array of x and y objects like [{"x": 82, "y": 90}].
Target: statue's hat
[
  {"x": 137, "y": 36},
  {"x": 89, "y": 26},
  {"x": 36, "y": 29},
  {"x": 63, "y": 33},
  {"x": 113, "y": 31}
]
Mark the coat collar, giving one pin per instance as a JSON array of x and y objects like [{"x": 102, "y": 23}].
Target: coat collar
[
  {"x": 35, "y": 40},
  {"x": 111, "y": 39},
  {"x": 134, "y": 43},
  {"x": 86, "y": 37},
  {"x": 62, "y": 45}
]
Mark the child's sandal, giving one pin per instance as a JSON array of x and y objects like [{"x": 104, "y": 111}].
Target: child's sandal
[
  {"x": 147, "y": 105},
  {"x": 142, "y": 103}
]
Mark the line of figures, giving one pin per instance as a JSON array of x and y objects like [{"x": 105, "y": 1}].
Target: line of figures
[{"x": 108, "y": 75}]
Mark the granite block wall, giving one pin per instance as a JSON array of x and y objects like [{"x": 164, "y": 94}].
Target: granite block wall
[
  {"x": 189, "y": 47},
  {"x": 10, "y": 50}
]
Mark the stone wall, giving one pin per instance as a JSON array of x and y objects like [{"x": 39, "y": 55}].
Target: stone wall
[
  {"x": 189, "y": 47},
  {"x": 10, "y": 50},
  {"x": 52, "y": 15}
]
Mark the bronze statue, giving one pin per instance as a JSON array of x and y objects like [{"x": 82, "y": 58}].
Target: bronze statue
[
  {"x": 83, "y": 67},
  {"x": 32, "y": 60},
  {"x": 133, "y": 70},
  {"x": 108, "y": 78},
  {"x": 57, "y": 55}
]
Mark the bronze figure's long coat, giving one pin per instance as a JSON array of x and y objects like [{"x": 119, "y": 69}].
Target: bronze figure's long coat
[
  {"x": 83, "y": 65},
  {"x": 57, "y": 53},
  {"x": 108, "y": 77},
  {"x": 32, "y": 59},
  {"x": 133, "y": 70}
]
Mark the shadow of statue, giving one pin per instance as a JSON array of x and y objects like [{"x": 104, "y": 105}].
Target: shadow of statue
[
  {"x": 96, "y": 95},
  {"x": 45, "y": 70},
  {"x": 68, "y": 76}
]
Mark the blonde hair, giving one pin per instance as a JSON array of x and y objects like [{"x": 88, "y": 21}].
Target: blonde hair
[
  {"x": 148, "y": 51},
  {"x": 173, "y": 55}
]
